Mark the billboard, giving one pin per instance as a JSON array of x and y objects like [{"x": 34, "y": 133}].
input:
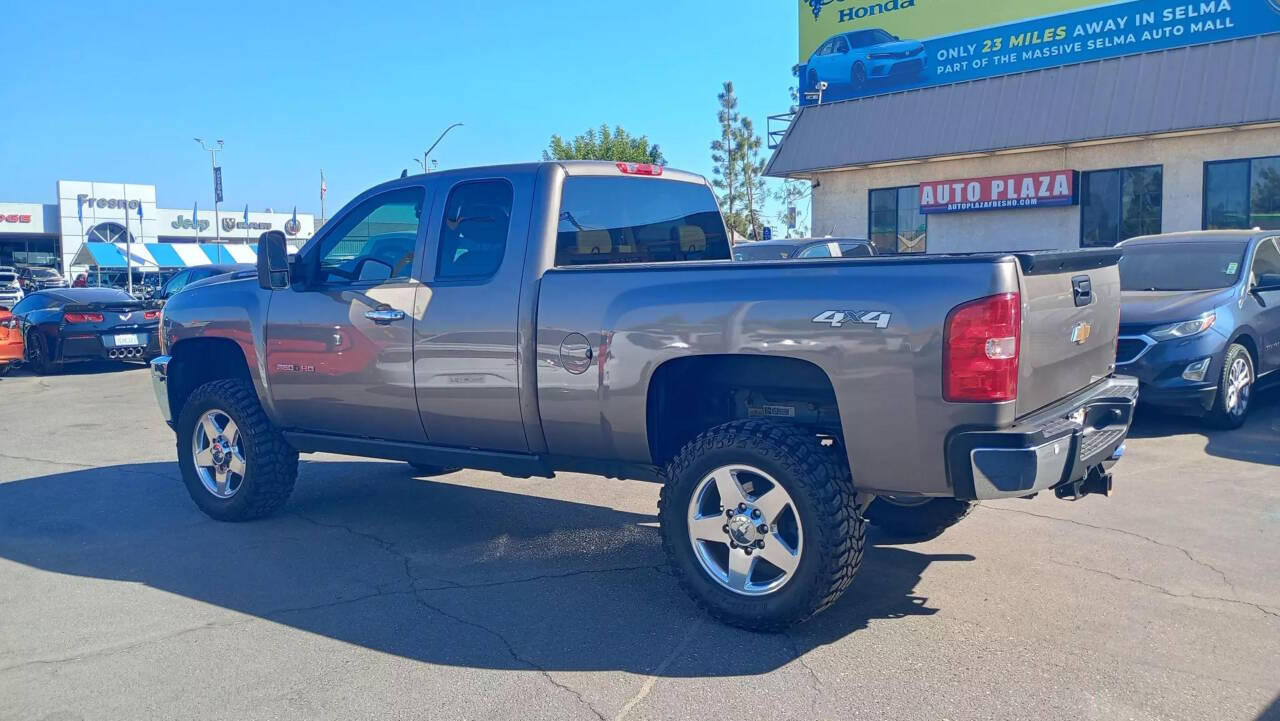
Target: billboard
[{"x": 868, "y": 47}]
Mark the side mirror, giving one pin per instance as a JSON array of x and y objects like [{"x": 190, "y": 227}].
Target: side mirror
[
  {"x": 273, "y": 260},
  {"x": 1267, "y": 282}
]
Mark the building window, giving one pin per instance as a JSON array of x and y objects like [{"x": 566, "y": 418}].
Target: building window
[
  {"x": 109, "y": 233},
  {"x": 896, "y": 224},
  {"x": 1119, "y": 204},
  {"x": 1242, "y": 194}
]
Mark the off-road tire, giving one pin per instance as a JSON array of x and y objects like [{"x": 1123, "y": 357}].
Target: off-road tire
[
  {"x": 271, "y": 464},
  {"x": 918, "y": 523},
  {"x": 817, "y": 479},
  {"x": 426, "y": 469},
  {"x": 1219, "y": 416}
]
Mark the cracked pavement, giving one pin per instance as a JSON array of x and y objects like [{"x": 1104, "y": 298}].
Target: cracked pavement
[{"x": 376, "y": 593}]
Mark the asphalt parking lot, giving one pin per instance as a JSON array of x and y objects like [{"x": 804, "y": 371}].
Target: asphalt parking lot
[{"x": 375, "y": 594}]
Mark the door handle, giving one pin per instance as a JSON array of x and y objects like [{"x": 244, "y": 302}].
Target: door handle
[{"x": 384, "y": 316}]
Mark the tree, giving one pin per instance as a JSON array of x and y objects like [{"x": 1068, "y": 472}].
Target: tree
[
  {"x": 751, "y": 175},
  {"x": 726, "y": 156},
  {"x": 603, "y": 144},
  {"x": 792, "y": 193}
]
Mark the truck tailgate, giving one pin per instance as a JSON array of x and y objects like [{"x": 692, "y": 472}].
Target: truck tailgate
[{"x": 1071, "y": 316}]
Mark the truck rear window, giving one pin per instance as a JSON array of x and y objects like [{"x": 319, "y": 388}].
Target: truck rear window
[{"x": 606, "y": 220}]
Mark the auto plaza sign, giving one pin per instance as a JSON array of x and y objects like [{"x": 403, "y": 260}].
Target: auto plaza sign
[
  {"x": 1000, "y": 192},
  {"x": 869, "y": 47}
]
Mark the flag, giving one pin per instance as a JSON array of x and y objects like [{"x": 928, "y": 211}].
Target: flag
[
  {"x": 246, "y": 215},
  {"x": 195, "y": 215},
  {"x": 80, "y": 210},
  {"x": 295, "y": 215},
  {"x": 323, "y": 187},
  {"x": 139, "y": 211}
]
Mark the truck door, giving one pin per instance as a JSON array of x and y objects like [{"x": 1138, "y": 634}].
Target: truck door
[
  {"x": 464, "y": 342},
  {"x": 340, "y": 348}
]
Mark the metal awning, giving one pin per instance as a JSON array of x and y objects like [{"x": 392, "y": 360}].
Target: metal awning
[
  {"x": 155, "y": 256},
  {"x": 1219, "y": 85}
]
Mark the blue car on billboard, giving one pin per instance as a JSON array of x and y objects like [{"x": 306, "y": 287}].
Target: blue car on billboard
[{"x": 855, "y": 59}]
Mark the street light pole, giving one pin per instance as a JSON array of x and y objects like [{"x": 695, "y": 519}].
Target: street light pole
[
  {"x": 424, "y": 162},
  {"x": 213, "y": 164}
]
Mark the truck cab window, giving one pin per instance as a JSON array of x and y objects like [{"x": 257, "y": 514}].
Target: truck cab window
[
  {"x": 375, "y": 241},
  {"x": 473, "y": 236},
  {"x": 609, "y": 220}
]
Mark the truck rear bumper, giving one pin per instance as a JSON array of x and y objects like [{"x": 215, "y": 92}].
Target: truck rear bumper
[{"x": 1055, "y": 446}]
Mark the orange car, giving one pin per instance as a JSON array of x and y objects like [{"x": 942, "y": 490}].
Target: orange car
[{"x": 10, "y": 342}]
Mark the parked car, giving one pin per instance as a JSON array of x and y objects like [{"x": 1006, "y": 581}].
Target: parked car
[
  {"x": 1200, "y": 321},
  {"x": 79, "y": 324},
  {"x": 862, "y": 56},
  {"x": 33, "y": 278},
  {"x": 776, "y": 404},
  {"x": 183, "y": 278},
  {"x": 10, "y": 287},
  {"x": 11, "y": 345},
  {"x": 804, "y": 248}
]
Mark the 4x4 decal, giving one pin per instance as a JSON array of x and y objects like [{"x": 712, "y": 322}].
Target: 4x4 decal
[{"x": 837, "y": 318}]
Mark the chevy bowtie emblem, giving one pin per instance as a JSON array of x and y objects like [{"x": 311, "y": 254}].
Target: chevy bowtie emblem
[{"x": 1080, "y": 332}]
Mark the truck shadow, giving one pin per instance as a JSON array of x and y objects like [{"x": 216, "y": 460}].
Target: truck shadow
[
  {"x": 1255, "y": 441},
  {"x": 431, "y": 570}
]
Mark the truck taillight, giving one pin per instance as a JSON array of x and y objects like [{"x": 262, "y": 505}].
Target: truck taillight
[
  {"x": 640, "y": 168},
  {"x": 980, "y": 350},
  {"x": 82, "y": 317}
]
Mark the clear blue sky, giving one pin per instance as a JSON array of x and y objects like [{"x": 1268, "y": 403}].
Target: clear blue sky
[{"x": 116, "y": 91}]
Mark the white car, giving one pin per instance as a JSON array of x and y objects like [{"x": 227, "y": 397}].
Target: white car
[{"x": 10, "y": 288}]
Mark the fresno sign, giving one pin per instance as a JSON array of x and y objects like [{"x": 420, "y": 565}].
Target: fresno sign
[{"x": 999, "y": 192}]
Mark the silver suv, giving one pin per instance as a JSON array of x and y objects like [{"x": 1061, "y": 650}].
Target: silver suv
[{"x": 10, "y": 288}]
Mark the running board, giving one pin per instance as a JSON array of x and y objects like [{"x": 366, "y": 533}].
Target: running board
[{"x": 516, "y": 465}]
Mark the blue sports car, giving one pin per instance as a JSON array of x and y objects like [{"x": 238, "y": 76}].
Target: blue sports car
[{"x": 862, "y": 56}]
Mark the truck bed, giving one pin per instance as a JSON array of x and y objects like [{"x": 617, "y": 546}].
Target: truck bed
[{"x": 884, "y": 360}]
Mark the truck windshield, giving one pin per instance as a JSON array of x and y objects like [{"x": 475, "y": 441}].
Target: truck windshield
[
  {"x": 1181, "y": 266},
  {"x": 606, "y": 220}
]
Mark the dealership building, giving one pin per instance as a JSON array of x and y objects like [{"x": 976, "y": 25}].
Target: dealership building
[
  {"x": 54, "y": 235},
  {"x": 1081, "y": 154}
]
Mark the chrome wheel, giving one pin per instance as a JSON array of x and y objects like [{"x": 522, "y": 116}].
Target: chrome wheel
[
  {"x": 1239, "y": 385},
  {"x": 218, "y": 451},
  {"x": 745, "y": 530}
]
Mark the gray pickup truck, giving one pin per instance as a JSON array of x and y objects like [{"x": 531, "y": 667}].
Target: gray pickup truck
[{"x": 584, "y": 316}]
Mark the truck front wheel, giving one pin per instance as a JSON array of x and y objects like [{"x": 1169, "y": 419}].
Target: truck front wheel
[
  {"x": 760, "y": 525},
  {"x": 916, "y": 519},
  {"x": 235, "y": 465}
]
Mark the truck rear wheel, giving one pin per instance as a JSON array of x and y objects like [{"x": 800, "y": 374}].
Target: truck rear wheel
[
  {"x": 760, "y": 525},
  {"x": 235, "y": 465},
  {"x": 916, "y": 519}
]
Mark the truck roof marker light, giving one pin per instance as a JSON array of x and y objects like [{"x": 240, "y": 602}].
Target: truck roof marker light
[{"x": 640, "y": 168}]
